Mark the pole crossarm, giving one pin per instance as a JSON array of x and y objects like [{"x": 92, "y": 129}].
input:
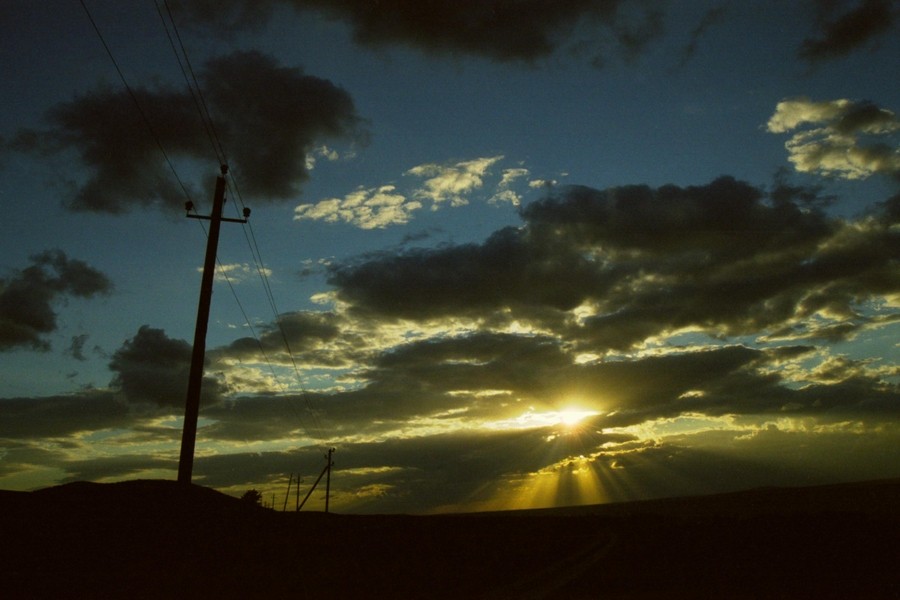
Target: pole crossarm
[{"x": 209, "y": 218}]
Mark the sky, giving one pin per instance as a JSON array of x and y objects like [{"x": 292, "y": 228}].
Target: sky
[{"x": 502, "y": 253}]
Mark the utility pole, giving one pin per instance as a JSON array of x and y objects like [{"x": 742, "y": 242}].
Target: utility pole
[
  {"x": 192, "y": 404},
  {"x": 288, "y": 495},
  {"x": 327, "y": 469},
  {"x": 328, "y": 477}
]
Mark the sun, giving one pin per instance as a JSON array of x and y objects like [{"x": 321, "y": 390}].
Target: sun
[{"x": 571, "y": 417}]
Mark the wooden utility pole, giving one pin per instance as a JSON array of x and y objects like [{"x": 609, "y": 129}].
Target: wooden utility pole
[
  {"x": 327, "y": 469},
  {"x": 288, "y": 495},
  {"x": 328, "y": 477},
  {"x": 192, "y": 404}
]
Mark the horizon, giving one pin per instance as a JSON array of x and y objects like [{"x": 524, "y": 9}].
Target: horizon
[
  {"x": 653, "y": 504},
  {"x": 501, "y": 255}
]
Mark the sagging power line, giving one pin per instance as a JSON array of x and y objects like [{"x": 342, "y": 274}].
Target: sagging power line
[{"x": 195, "y": 89}]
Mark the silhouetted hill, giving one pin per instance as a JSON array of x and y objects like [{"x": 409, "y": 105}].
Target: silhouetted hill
[{"x": 157, "y": 539}]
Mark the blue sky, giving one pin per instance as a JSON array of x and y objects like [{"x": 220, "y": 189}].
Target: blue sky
[{"x": 517, "y": 253}]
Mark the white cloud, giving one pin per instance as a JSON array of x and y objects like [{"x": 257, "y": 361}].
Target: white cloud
[
  {"x": 833, "y": 143},
  {"x": 510, "y": 175},
  {"x": 790, "y": 114},
  {"x": 542, "y": 183},
  {"x": 238, "y": 272},
  {"x": 366, "y": 208},
  {"x": 325, "y": 152},
  {"x": 451, "y": 183},
  {"x": 504, "y": 192},
  {"x": 443, "y": 185}
]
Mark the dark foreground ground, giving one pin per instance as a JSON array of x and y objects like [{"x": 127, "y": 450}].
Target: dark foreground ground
[{"x": 154, "y": 539}]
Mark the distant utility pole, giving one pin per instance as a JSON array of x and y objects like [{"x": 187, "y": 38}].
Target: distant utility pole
[
  {"x": 328, "y": 477},
  {"x": 288, "y": 495},
  {"x": 328, "y": 464},
  {"x": 192, "y": 405}
]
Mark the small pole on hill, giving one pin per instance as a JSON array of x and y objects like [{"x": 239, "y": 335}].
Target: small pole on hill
[
  {"x": 288, "y": 495},
  {"x": 192, "y": 404},
  {"x": 328, "y": 477},
  {"x": 327, "y": 469}
]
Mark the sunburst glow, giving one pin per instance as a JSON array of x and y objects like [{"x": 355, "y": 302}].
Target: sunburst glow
[
  {"x": 571, "y": 417},
  {"x": 567, "y": 417}
]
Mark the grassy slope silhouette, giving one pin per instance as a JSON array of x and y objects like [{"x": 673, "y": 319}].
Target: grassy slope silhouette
[{"x": 155, "y": 539}]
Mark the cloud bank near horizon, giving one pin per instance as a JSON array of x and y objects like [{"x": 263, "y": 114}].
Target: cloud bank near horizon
[{"x": 467, "y": 353}]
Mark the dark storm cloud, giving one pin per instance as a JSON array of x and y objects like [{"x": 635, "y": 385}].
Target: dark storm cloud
[
  {"x": 850, "y": 30},
  {"x": 416, "y": 473},
  {"x": 271, "y": 116},
  {"x": 486, "y": 377},
  {"x": 501, "y": 30},
  {"x": 119, "y": 467},
  {"x": 743, "y": 382},
  {"x": 538, "y": 372},
  {"x": 461, "y": 467},
  {"x": 472, "y": 279},
  {"x": 712, "y": 17},
  {"x": 473, "y": 362},
  {"x": 527, "y": 31},
  {"x": 19, "y": 456},
  {"x": 450, "y": 471},
  {"x": 719, "y": 258},
  {"x": 27, "y": 297},
  {"x": 728, "y": 460},
  {"x": 412, "y": 381},
  {"x": 725, "y": 258},
  {"x": 60, "y": 416},
  {"x": 296, "y": 331},
  {"x": 267, "y": 116},
  {"x": 76, "y": 348},
  {"x": 377, "y": 409},
  {"x": 151, "y": 380},
  {"x": 470, "y": 469},
  {"x": 153, "y": 368},
  {"x": 725, "y": 218},
  {"x": 264, "y": 418}
]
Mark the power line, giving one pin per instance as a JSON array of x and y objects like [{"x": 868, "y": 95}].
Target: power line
[
  {"x": 135, "y": 99},
  {"x": 284, "y": 337},
  {"x": 261, "y": 270},
  {"x": 195, "y": 89},
  {"x": 224, "y": 274},
  {"x": 218, "y": 149}
]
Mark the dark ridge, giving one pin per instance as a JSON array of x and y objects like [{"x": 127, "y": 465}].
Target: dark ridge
[
  {"x": 878, "y": 497},
  {"x": 157, "y": 539}
]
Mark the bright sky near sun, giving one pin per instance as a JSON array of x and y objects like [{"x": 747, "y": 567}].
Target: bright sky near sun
[{"x": 502, "y": 253}]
